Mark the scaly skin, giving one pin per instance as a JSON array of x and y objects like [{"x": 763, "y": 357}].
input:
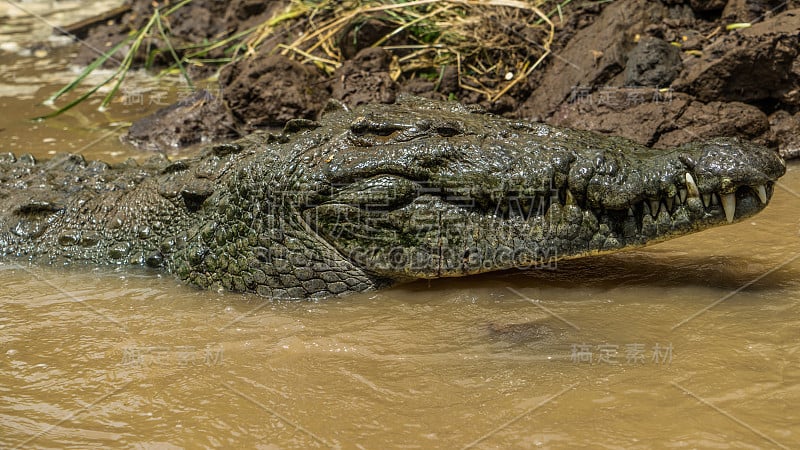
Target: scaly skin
[{"x": 382, "y": 194}]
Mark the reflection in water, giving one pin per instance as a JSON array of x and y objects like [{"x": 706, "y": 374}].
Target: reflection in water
[{"x": 690, "y": 343}]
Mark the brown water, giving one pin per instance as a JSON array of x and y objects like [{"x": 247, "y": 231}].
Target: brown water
[
  {"x": 689, "y": 344},
  {"x": 34, "y": 65}
]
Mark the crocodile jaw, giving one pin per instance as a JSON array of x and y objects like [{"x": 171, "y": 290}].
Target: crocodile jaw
[{"x": 432, "y": 238}]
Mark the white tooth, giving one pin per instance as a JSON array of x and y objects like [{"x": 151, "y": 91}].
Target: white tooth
[
  {"x": 654, "y": 205},
  {"x": 670, "y": 203},
  {"x": 691, "y": 186},
  {"x": 761, "y": 190},
  {"x": 714, "y": 199},
  {"x": 706, "y": 200},
  {"x": 729, "y": 205},
  {"x": 630, "y": 212},
  {"x": 570, "y": 198},
  {"x": 682, "y": 195}
]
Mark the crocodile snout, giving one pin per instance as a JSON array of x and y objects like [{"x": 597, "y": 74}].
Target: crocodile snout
[{"x": 734, "y": 174}]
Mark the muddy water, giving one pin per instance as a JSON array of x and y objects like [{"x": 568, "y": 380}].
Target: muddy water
[
  {"x": 690, "y": 343},
  {"x": 34, "y": 64}
]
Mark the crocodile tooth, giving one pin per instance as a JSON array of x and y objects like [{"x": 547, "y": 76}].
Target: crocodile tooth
[
  {"x": 654, "y": 206},
  {"x": 691, "y": 186},
  {"x": 670, "y": 201},
  {"x": 729, "y": 205},
  {"x": 761, "y": 190},
  {"x": 570, "y": 198},
  {"x": 682, "y": 196},
  {"x": 714, "y": 199},
  {"x": 630, "y": 212},
  {"x": 706, "y": 200}
]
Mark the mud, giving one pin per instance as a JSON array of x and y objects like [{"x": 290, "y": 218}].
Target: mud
[
  {"x": 661, "y": 118},
  {"x": 660, "y": 72},
  {"x": 198, "y": 118},
  {"x": 269, "y": 90},
  {"x": 653, "y": 62},
  {"x": 787, "y": 133},
  {"x": 365, "y": 79},
  {"x": 756, "y": 65}
]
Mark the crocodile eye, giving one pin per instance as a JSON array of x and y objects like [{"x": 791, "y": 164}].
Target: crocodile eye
[
  {"x": 448, "y": 129},
  {"x": 362, "y": 126}
]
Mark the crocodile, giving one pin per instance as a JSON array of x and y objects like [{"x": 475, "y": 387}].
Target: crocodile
[{"x": 368, "y": 197}]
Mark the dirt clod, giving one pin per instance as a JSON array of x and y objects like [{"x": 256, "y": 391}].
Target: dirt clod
[
  {"x": 653, "y": 62},
  {"x": 750, "y": 65},
  {"x": 661, "y": 118},
  {"x": 787, "y": 133},
  {"x": 593, "y": 57},
  {"x": 269, "y": 90},
  {"x": 199, "y": 117},
  {"x": 365, "y": 79}
]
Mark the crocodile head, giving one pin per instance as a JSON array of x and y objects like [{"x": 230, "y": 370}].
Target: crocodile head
[
  {"x": 420, "y": 189},
  {"x": 425, "y": 190}
]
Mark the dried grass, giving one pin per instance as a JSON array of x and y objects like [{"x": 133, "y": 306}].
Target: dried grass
[{"x": 495, "y": 44}]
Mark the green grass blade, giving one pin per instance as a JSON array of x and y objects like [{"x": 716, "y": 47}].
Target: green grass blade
[
  {"x": 80, "y": 99},
  {"x": 89, "y": 69},
  {"x": 221, "y": 43},
  {"x": 137, "y": 38},
  {"x": 107, "y": 99},
  {"x": 176, "y": 7},
  {"x": 172, "y": 51},
  {"x": 127, "y": 62}
]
